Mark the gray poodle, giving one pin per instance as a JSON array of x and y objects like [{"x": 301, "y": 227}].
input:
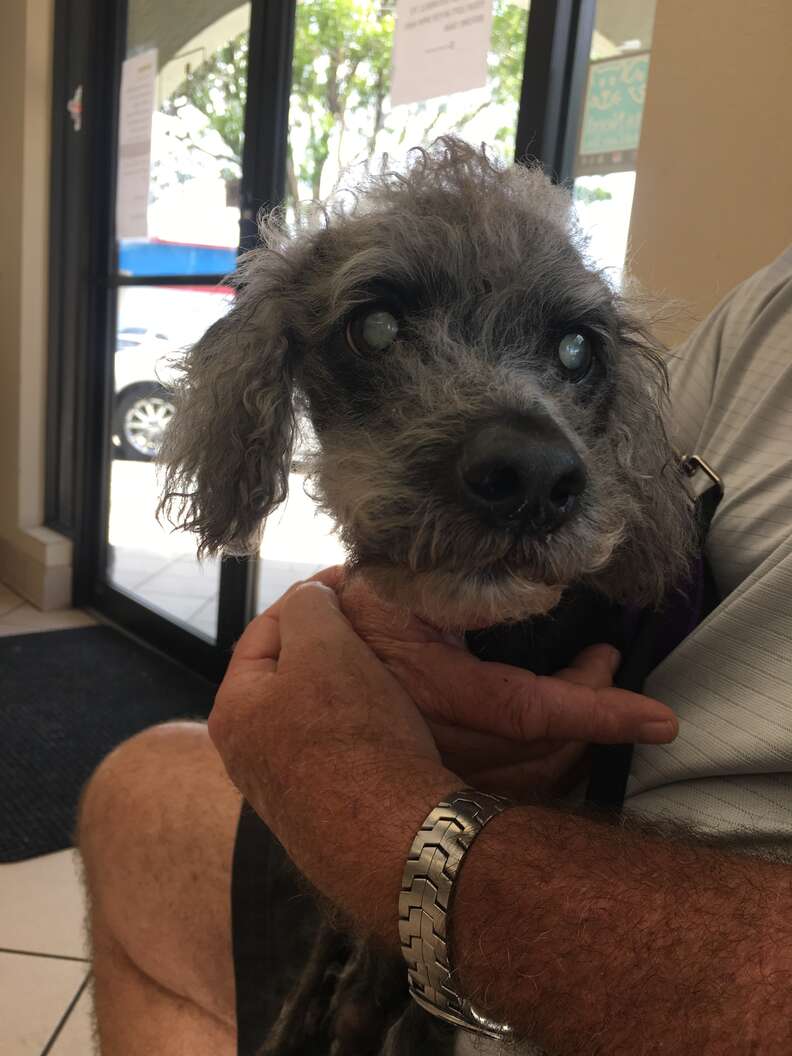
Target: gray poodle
[
  {"x": 488, "y": 417},
  {"x": 488, "y": 411}
]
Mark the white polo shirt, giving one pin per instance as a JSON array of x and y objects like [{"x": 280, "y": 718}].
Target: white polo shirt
[{"x": 729, "y": 772}]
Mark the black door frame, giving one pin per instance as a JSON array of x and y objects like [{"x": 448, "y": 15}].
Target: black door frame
[{"x": 91, "y": 36}]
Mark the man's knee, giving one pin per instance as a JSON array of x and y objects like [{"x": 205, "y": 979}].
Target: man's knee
[
  {"x": 123, "y": 798},
  {"x": 156, "y": 832}
]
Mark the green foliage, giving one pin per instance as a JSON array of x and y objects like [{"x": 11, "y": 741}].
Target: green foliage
[
  {"x": 591, "y": 194},
  {"x": 341, "y": 69},
  {"x": 218, "y": 89},
  {"x": 339, "y": 106},
  {"x": 507, "y": 55}
]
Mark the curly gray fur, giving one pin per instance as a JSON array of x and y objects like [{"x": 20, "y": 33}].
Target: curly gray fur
[{"x": 491, "y": 270}]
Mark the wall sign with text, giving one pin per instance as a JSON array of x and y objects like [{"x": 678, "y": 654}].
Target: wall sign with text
[
  {"x": 611, "y": 128},
  {"x": 440, "y": 47}
]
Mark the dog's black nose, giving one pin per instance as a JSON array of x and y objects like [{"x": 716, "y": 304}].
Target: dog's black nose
[{"x": 524, "y": 473}]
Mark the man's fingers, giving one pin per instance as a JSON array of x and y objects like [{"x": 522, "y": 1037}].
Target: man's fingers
[
  {"x": 314, "y": 631},
  {"x": 331, "y": 577},
  {"x": 602, "y": 716},
  {"x": 260, "y": 641},
  {"x": 594, "y": 667},
  {"x": 261, "y": 638},
  {"x": 503, "y": 700},
  {"x": 306, "y": 626}
]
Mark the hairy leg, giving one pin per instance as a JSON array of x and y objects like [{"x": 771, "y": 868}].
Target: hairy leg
[{"x": 156, "y": 834}]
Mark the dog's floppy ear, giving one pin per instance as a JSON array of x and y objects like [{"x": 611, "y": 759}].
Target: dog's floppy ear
[{"x": 227, "y": 450}]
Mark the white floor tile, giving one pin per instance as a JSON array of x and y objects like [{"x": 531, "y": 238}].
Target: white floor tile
[
  {"x": 129, "y": 557},
  {"x": 42, "y": 906},
  {"x": 130, "y": 578},
  {"x": 188, "y": 566},
  {"x": 27, "y": 619},
  {"x": 179, "y": 606},
  {"x": 34, "y": 994},
  {"x": 129, "y": 567},
  {"x": 9, "y": 600},
  {"x": 205, "y": 619},
  {"x": 76, "y": 1037},
  {"x": 195, "y": 585}
]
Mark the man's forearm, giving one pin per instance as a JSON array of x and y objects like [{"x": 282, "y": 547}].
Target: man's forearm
[{"x": 588, "y": 938}]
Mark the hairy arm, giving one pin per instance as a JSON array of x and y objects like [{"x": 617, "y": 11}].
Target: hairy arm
[
  {"x": 587, "y": 938},
  {"x": 590, "y": 938}
]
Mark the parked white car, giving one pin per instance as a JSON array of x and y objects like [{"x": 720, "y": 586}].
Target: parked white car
[
  {"x": 143, "y": 406},
  {"x": 143, "y": 403}
]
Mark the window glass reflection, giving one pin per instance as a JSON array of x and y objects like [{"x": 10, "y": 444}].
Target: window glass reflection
[
  {"x": 193, "y": 147},
  {"x": 146, "y": 559},
  {"x": 610, "y": 132}
]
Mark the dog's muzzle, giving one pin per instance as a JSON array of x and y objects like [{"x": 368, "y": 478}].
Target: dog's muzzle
[{"x": 522, "y": 474}]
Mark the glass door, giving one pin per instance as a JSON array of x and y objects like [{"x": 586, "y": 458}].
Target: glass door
[
  {"x": 177, "y": 215},
  {"x": 610, "y": 129}
]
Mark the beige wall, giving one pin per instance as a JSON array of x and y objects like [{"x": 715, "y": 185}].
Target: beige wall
[
  {"x": 32, "y": 559},
  {"x": 713, "y": 199}
]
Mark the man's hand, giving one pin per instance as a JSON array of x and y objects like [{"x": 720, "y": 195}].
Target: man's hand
[
  {"x": 503, "y": 729},
  {"x": 329, "y": 750},
  {"x": 325, "y": 740}
]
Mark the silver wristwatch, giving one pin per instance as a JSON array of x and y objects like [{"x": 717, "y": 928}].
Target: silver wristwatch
[{"x": 425, "y": 901}]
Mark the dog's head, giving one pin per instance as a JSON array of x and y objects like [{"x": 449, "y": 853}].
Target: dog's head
[{"x": 488, "y": 411}]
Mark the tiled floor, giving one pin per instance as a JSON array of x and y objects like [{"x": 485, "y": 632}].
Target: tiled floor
[
  {"x": 175, "y": 585},
  {"x": 17, "y": 616},
  {"x": 45, "y": 1001}
]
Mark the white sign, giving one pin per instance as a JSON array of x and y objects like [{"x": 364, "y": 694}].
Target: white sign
[
  {"x": 138, "y": 79},
  {"x": 440, "y": 47}
]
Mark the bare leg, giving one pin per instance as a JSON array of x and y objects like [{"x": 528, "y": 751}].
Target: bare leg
[{"x": 156, "y": 833}]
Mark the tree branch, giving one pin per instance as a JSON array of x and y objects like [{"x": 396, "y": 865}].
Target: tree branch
[
  {"x": 192, "y": 145},
  {"x": 292, "y": 184},
  {"x": 379, "y": 120},
  {"x": 473, "y": 114}
]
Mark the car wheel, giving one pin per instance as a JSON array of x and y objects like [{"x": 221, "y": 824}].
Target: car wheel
[{"x": 141, "y": 417}]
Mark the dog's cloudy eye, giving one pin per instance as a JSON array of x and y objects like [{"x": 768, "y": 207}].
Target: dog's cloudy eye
[
  {"x": 574, "y": 351},
  {"x": 373, "y": 332},
  {"x": 379, "y": 330}
]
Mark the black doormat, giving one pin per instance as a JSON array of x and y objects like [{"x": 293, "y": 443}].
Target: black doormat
[{"x": 67, "y": 698}]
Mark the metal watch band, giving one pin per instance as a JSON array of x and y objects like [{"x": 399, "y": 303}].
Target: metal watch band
[{"x": 427, "y": 891}]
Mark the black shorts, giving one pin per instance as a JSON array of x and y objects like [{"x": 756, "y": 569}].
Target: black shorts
[{"x": 274, "y": 921}]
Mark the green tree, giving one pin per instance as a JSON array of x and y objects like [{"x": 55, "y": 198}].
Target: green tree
[
  {"x": 217, "y": 89},
  {"x": 339, "y": 107},
  {"x": 588, "y": 195},
  {"x": 341, "y": 67}
]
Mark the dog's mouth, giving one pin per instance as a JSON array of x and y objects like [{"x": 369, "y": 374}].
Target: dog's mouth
[{"x": 505, "y": 560}]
